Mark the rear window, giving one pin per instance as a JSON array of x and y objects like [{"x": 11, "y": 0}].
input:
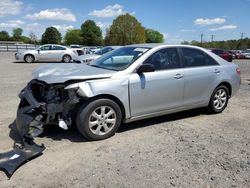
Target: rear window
[
  {"x": 196, "y": 58},
  {"x": 58, "y": 48}
]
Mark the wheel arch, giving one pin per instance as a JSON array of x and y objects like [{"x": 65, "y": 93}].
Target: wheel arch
[
  {"x": 111, "y": 97},
  {"x": 29, "y": 54},
  {"x": 228, "y": 85},
  {"x": 66, "y": 55}
]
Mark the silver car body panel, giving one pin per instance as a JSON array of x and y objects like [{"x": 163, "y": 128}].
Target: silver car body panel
[
  {"x": 148, "y": 94},
  {"x": 60, "y": 73}
]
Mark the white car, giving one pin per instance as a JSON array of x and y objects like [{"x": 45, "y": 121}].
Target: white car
[
  {"x": 87, "y": 58},
  {"x": 48, "y": 52},
  {"x": 246, "y": 53}
]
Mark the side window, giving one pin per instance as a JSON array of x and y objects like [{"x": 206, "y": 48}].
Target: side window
[
  {"x": 44, "y": 48},
  {"x": 196, "y": 58},
  {"x": 58, "y": 48},
  {"x": 164, "y": 59}
]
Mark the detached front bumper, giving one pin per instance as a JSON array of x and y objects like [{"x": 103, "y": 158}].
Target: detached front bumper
[{"x": 29, "y": 114}]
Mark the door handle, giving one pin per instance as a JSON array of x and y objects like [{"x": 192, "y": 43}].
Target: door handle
[
  {"x": 178, "y": 76},
  {"x": 216, "y": 71}
]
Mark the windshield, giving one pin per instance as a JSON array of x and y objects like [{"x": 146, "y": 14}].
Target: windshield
[{"x": 119, "y": 59}]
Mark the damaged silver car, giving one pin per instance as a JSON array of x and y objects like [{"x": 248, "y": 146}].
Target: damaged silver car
[{"x": 128, "y": 84}]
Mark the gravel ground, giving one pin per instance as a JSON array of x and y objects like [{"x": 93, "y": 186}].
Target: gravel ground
[{"x": 188, "y": 149}]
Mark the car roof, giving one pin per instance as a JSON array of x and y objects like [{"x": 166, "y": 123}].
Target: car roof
[
  {"x": 156, "y": 45},
  {"x": 54, "y": 45}
]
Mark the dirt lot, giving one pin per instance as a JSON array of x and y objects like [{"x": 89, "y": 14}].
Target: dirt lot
[{"x": 190, "y": 149}]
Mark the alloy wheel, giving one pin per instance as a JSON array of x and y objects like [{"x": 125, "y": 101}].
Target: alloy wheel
[
  {"x": 220, "y": 99},
  {"x": 102, "y": 120}
]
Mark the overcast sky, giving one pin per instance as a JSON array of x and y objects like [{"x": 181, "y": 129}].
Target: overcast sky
[{"x": 178, "y": 20}]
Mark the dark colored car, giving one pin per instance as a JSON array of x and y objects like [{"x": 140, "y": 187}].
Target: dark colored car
[
  {"x": 233, "y": 54},
  {"x": 223, "y": 54}
]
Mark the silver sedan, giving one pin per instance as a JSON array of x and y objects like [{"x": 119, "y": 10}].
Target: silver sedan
[
  {"x": 48, "y": 52},
  {"x": 128, "y": 84}
]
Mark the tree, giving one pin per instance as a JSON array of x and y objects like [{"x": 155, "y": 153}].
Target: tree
[
  {"x": 17, "y": 33},
  {"x": 25, "y": 39},
  {"x": 153, "y": 36},
  {"x": 73, "y": 36},
  {"x": 4, "y": 36},
  {"x": 91, "y": 33},
  {"x": 229, "y": 44},
  {"x": 33, "y": 38},
  {"x": 124, "y": 30},
  {"x": 51, "y": 36}
]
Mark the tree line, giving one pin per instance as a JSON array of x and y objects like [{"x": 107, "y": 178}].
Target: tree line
[
  {"x": 228, "y": 45},
  {"x": 125, "y": 29}
]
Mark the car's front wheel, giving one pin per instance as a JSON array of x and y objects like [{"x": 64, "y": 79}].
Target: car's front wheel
[
  {"x": 219, "y": 99},
  {"x": 99, "y": 119},
  {"x": 29, "y": 58}
]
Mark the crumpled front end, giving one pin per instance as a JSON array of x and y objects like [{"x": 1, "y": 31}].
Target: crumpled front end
[{"x": 43, "y": 103}]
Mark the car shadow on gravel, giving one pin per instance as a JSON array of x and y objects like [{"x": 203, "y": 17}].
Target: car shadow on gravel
[
  {"x": 56, "y": 133},
  {"x": 50, "y": 131},
  {"x": 162, "y": 119}
]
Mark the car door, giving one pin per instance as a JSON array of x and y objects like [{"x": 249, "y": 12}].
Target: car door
[
  {"x": 201, "y": 73},
  {"x": 57, "y": 53},
  {"x": 157, "y": 91},
  {"x": 44, "y": 53}
]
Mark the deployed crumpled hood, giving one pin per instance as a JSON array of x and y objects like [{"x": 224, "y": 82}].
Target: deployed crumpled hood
[{"x": 59, "y": 73}]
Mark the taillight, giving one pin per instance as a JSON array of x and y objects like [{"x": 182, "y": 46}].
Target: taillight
[{"x": 238, "y": 71}]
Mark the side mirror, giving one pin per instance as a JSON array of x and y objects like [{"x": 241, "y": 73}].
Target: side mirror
[
  {"x": 38, "y": 51},
  {"x": 145, "y": 68}
]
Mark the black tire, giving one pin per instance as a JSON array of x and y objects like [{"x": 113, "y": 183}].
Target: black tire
[
  {"x": 215, "y": 107},
  {"x": 29, "y": 58},
  {"x": 66, "y": 59},
  {"x": 85, "y": 117}
]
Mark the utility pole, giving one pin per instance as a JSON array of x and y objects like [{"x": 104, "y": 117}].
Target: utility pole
[
  {"x": 212, "y": 38},
  {"x": 202, "y": 35},
  {"x": 241, "y": 36}
]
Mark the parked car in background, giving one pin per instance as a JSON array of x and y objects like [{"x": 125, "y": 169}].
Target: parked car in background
[
  {"x": 246, "y": 53},
  {"x": 232, "y": 53},
  {"x": 48, "y": 52},
  {"x": 91, "y": 57},
  {"x": 239, "y": 54},
  {"x": 75, "y": 46},
  {"x": 130, "y": 83},
  {"x": 223, "y": 54}
]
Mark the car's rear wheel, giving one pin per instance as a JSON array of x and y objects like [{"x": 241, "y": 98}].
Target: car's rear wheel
[
  {"x": 66, "y": 58},
  {"x": 99, "y": 119},
  {"x": 29, "y": 58},
  {"x": 219, "y": 99}
]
